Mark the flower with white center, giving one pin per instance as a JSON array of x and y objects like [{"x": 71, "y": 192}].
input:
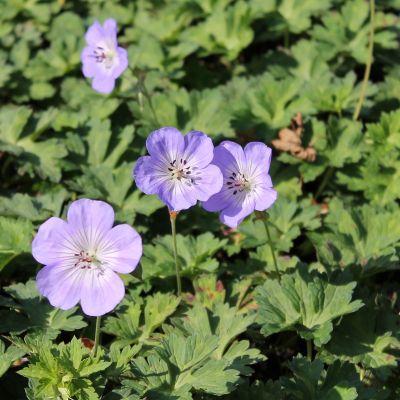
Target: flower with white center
[
  {"x": 82, "y": 257},
  {"x": 247, "y": 185},
  {"x": 102, "y": 58},
  {"x": 178, "y": 168}
]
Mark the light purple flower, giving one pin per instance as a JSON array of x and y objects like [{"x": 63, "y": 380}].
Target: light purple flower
[
  {"x": 247, "y": 184},
  {"x": 102, "y": 59},
  {"x": 82, "y": 256},
  {"x": 178, "y": 168}
]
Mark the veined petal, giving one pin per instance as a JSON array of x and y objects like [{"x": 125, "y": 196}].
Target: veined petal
[
  {"x": 103, "y": 83},
  {"x": 258, "y": 157},
  {"x": 110, "y": 28},
  {"x": 237, "y": 211},
  {"x": 90, "y": 220},
  {"x": 101, "y": 292},
  {"x": 177, "y": 196},
  {"x": 53, "y": 243},
  {"x": 89, "y": 65},
  {"x": 199, "y": 149},
  {"x": 237, "y": 155},
  {"x": 166, "y": 143},
  {"x": 149, "y": 174},
  {"x": 264, "y": 196},
  {"x": 94, "y": 34},
  {"x": 210, "y": 183},
  {"x": 61, "y": 284},
  {"x": 121, "y": 249},
  {"x": 218, "y": 201},
  {"x": 122, "y": 64}
]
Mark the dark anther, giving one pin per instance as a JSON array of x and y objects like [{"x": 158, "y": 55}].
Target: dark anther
[{"x": 235, "y": 192}]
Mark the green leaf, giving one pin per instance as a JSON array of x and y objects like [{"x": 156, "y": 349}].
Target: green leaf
[
  {"x": 364, "y": 236},
  {"x": 297, "y": 13},
  {"x": 378, "y": 173},
  {"x": 304, "y": 302},
  {"x": 62, "y": 370},
  {"x": 365, "y": 337},
  {"x": 226, "y": 31},
  {"x": 8, "y": 356},
  {"x": 136, "y": 322},
  {"x": 195, "y": 255},
  {"x": 15, "y": 238},
  {"x": 311, "y": 381},
  {"x": 286, "y": 219},
  {"x": 32, "y": 311}
]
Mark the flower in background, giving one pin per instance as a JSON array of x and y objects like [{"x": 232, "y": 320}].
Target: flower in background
[
  {"x": 178, "y": 168},
  {"x": 102, "y": 59},
  {"x": 82, "y": 256},
  {"x": 247, "y": 185}
]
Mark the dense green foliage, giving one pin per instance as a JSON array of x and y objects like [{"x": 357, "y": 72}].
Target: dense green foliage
[{"x": 234, "y": 69}]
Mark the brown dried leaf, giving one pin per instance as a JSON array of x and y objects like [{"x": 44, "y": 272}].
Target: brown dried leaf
[{"x": 290, "y": 141}]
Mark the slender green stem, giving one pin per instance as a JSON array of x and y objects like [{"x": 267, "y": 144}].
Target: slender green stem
[
  {"x": 324, "y": 182},
  {"x": 369, "y": 62},
  {"x": 309, "y": 350},
  {"x": 97, "y": 336},
  {"x": 152, "y": 109},
  {"x": 286, "y": 38},
  {"x": 173, "y": 230},
  {"x": 271, "y": 245}
]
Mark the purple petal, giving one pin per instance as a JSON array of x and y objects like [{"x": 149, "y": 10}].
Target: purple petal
[
  {"x": 265, "y": 196},
  {"x": 121, "y": 249},
  {"x": 101, "y": 292},
  {"x": 147, "y": 175},
  {"x": 94, "y": 218},
  {"x": 166, "y": 143},
  {"x": 52, "y": 241},
  {"x": 210, "y": 183},
  {"x": 122, "y": 63},
  {"x": 218, "y": 201},
  {"x": 103, "y": 83},
  {"x": 199, "y": 149},
  {"x": 258, "y": 156},
  {"x": 110, "y": 28},
  {"x": 89, "y": 65},
  {"x": 94, "y": 34},
  {"x": 236, "y": 153},
  {"x": 237, "y": 211},
  {"x": 177, "y": 196},
  {"x": 60, "y": 284}
]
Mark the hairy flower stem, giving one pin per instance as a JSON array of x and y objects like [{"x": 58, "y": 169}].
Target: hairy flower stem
[
  {"x": 172, "y": 217},
  {"x": 148, "y": 97},
  {"x": 324, "y": 182},
  {"x": 271, "y": 245},
  {"x": 309, "y": 350},
  {"x": 96, "y": 336},
  {"x": 369, "y": 62},
  {"x": 140, "y": 75}
]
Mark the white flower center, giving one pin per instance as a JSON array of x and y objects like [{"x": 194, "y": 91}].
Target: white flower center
[
  {"x": 106, "y": 54},
  {"x": 181, "y": 171},
  {"x": 238, "y": 183},
  {"x": 88, "y": 260}
]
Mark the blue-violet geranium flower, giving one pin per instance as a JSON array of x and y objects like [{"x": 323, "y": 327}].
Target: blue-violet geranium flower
[
  {"x": 82, "y": 256},
  {"x": 247, "y": 185},
  {"x": 178, "y": 168},
  {"x": 102, "y": 58}
]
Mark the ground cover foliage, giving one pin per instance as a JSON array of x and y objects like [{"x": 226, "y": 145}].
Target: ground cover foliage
[{"x": 329, "y": 328}]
